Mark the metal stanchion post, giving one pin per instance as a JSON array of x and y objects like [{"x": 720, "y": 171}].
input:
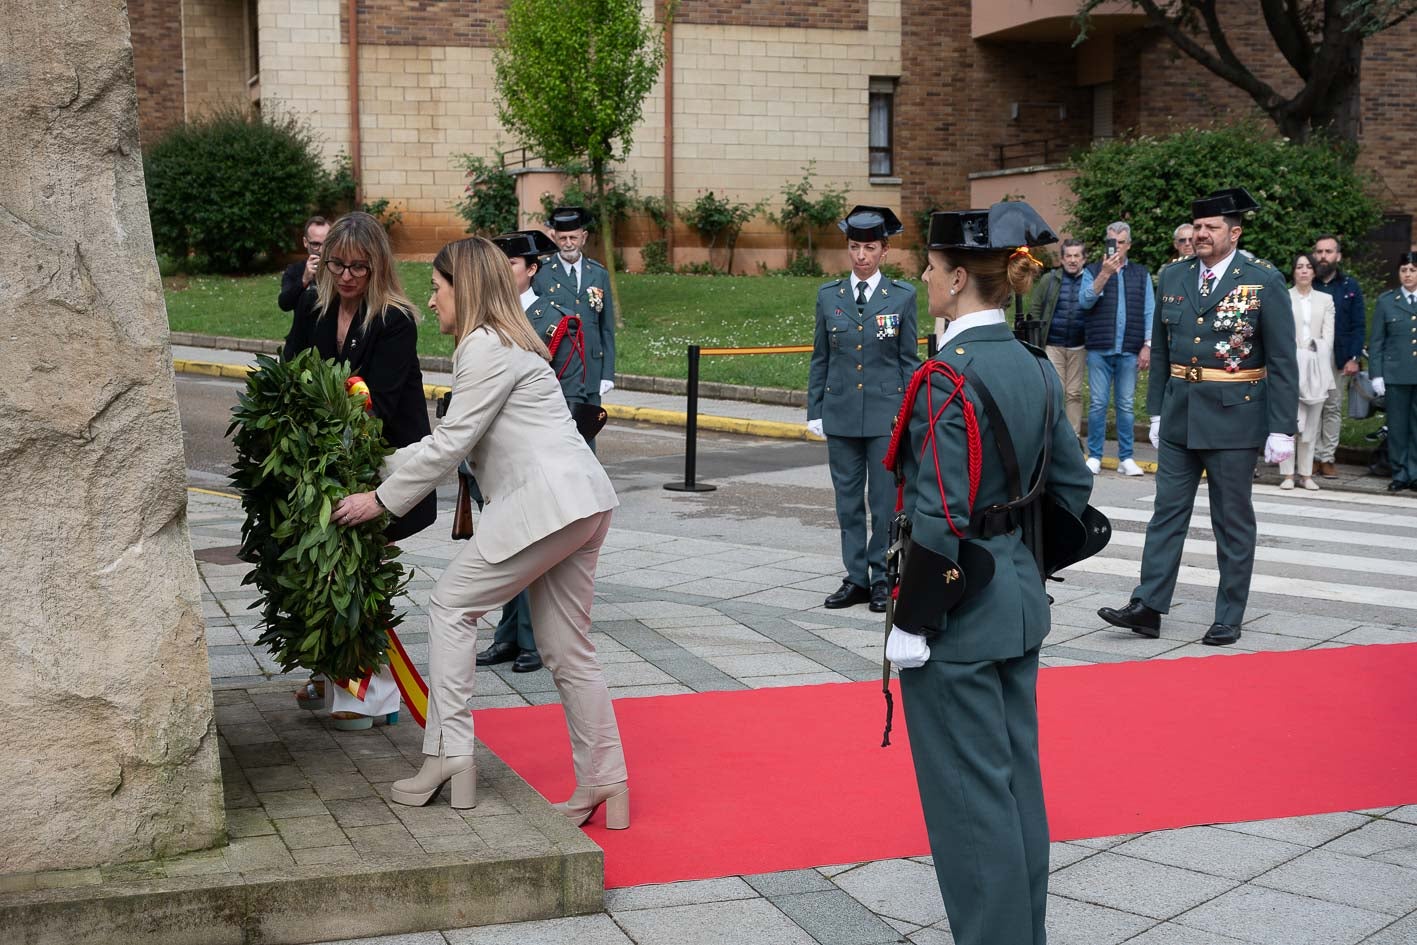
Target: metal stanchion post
[{"x": 691, "y": 433}]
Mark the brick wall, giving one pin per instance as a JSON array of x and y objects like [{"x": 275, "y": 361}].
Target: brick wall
[
  {"x": 217, "y": 62},
  {"x": 428, "y": 23},
  {"x": 823, "y": 14},
  {"x": 157, "y": 62}
]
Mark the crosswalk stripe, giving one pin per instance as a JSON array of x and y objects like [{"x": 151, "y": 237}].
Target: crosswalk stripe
[
  {"x": 1404, "y": 501},
  {"x": 1200, "y": 546},
  {"x": 1265, "y": 584},
  {"x": 1281, "y": 530},
  {"x": 1299, "y": 510}
]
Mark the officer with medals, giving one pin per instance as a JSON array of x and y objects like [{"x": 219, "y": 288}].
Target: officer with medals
[
  {"x": 1392, "y": 362},
  {"x": 1224, "y": 382},
  {"x": 863, "y": 353},
  {"x": 581, "y": 286},
  {"x": 982, "y": 443},
  {"x": 561, "y": 331}
]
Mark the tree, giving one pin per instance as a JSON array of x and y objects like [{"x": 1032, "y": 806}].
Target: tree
[
  {"x": 801, "y": 216},
  {"x": 572, "y": 80},
  {"x": 1321, "y": 40}
]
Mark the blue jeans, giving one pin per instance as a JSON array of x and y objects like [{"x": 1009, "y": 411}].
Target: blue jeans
[{"x": 1108, "y": 373}]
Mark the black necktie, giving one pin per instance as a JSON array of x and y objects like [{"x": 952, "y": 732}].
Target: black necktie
[
  {"x": 574, "y": 279},
  {"x": 861, "y": 298}
]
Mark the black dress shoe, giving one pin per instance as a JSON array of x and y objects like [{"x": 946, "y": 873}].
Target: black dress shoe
[
  {"x": 1396, "y": 486},
  {"x": 527, "y": 661},
  {"x": 880, "y": 597},
  {"x": 849, "y": 593},
  {"x": 1136, "y": 617},
  {"x": 497, "y": 653},
  {"x": 1221, "y": 634}
]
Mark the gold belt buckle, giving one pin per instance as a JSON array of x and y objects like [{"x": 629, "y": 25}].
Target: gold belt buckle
[{"x": 1193, "y": 373}]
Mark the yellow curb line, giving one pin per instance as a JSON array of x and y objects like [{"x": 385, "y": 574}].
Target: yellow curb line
[{"x": 221, "y": 495}]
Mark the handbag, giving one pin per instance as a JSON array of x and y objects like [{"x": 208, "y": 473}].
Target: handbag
[{"x": 1313, "y": 382}]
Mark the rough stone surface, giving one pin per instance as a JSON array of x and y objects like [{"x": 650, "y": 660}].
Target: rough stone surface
[{"x": 111, "y": 748}]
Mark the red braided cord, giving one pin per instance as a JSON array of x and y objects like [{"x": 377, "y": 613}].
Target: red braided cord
[
  {"x": 563, "y": 328},
  {"x": 973, "y": 446}
]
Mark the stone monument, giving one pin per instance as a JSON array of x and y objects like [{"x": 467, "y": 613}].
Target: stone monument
[{"x": 109, "y": 740}]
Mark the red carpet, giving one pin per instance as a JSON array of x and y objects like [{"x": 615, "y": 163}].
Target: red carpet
[{"x": 724, "y": 783}]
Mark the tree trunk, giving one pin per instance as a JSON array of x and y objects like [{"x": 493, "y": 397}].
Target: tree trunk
[{"x": 607, "y": 239}]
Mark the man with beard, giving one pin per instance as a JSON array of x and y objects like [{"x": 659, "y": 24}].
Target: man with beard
[{"x": 1350, "y": 326}]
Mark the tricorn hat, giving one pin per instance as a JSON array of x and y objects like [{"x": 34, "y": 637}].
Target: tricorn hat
[
  {"x": 870, "y": 224},
  {"x": 1232, "y": 202},
  {"x": 1008, "y": 224},
  {"x": 1407, "y": 259},
  {"x": 568, "y": 218},
  {"x": 523, "y": 244}
]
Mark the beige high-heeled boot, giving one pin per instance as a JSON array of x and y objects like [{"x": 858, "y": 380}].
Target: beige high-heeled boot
[
  {"x": 582, "y": 804},
  {"x": 436, "y": 772}
]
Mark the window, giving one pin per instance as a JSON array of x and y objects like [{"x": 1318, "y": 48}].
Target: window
[{"x": 882, "y": 127}]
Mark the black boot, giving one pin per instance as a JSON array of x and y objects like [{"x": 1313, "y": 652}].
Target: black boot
[
  {"x": 880, "y": 597},
  {"x": 849, "y": 593},
  {"x": 1136, "y": 617},
  {"x": 1221, "y": 634}
]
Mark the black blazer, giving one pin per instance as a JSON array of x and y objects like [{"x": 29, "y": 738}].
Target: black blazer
[
  {"x": 292, "y": 286},
  {"x": 385, "y": 353}
]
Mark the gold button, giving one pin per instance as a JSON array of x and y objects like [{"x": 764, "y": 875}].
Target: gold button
[
  {"x": 859, "y": 328},
  {"x": 959, "y": 351},
  {"x": 1247, "y": 396},
  {"x": 858, "y": 386},
  {"x": 858, "y": 367},
  {"x": 858, "y": 347},
  {"x": 1200, "y": 321},
  {"x": 1193, "y": 361},
  {"x": 1198, "y": 340}
]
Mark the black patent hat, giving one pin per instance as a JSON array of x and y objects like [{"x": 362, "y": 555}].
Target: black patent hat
[
  {"x": 569, "y": 218},
  {"x": 1232, "y": 202},
  {"x": 870, "y": 224},
  {"x": 523, "y": 244},
  {"x": 1008, "y": 224},
  {"x": 1407, "y": 259}
]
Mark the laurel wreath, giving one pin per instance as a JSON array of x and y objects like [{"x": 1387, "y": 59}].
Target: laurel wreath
[{"x": 302, "y": 444}]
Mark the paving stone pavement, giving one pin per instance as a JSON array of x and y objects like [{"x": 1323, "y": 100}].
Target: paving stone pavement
[{"x": 676, "y": 615}]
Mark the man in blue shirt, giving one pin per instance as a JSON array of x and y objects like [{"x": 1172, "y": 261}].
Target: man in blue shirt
[
  {"x": 1118, "y": 299},
  {"x": 1055, "y": 303},
  {"x": 1350, "y": 328}
]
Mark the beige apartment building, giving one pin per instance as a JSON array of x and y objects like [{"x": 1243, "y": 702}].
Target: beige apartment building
[{"x": 904, "y": 103}]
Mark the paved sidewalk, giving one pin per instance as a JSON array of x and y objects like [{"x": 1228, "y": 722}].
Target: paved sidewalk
[{"x": 677, "y": 615}]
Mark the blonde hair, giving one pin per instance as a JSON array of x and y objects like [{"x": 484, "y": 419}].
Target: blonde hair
[
  {"x": 996, "y": 273},
  {"x": 485, "y": 294},
  {"x": 365, "y": 235}
]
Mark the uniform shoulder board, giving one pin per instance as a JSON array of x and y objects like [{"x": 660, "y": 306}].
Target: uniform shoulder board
[
  {"x": 903, "y": 284},
  {"x": 1262, "y": 263},
  {"x": 593, "y": 263},
  {"x": 831, "y": 285},
  {"x": 1034, "y": 350}
]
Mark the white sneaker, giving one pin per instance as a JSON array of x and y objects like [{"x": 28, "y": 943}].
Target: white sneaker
[
  {"x": 1129, "y": 467},
  {"x": 1094, "y": 464}
]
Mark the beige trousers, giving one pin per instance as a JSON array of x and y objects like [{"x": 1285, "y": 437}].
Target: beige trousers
[
  {"x": 1071, "y": 365},
  {"x": 1305, "y": 442},
  {"x": 560, "y": 571}
]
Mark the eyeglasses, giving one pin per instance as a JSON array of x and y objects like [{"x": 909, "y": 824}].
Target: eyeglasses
[{"x": 339, "y": 268}]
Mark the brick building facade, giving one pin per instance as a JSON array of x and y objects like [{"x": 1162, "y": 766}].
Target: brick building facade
[{"x": 971, "y": 100}]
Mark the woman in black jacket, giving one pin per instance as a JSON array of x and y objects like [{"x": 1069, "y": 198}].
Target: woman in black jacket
[{"x": 359, "y": 314}]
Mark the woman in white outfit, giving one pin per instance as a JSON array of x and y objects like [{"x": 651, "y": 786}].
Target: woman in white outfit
[
  {"x": 548, "y": 508},
  {"x": 1313, "y": 331}
]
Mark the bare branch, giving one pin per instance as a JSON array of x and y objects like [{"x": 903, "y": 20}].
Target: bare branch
[
  {"x": 1286, "y": 25},
  {"x": 1232, "y": 71}
]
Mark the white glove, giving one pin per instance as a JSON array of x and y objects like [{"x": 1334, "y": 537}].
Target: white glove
[
  {"x": 906, "y": 650},
  {"x": 815, "y": 427},
  {"x": 1278, "y": 448},
  {"x": 606, "y": 387},
  {"x": 1379, "y": 387},
  {"x": 1155, "y": 435}
]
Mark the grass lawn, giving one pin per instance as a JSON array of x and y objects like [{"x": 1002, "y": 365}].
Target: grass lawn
[{"x": 663, "y": 315}]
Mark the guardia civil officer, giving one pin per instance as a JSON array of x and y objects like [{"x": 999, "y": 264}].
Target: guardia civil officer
[
  {"x": 1392, "y": 362},
  {"x": 863, "y": 353},
  {"x": 982, "y": 429},
  {"x": 581, "y": 286},
  {"x": 1224, "y": 382},
  {"x": 560, "y": 331}
]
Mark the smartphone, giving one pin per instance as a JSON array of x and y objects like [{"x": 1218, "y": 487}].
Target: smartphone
[{"x": 1111, "y": 246}]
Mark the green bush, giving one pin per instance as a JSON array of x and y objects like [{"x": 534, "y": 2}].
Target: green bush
[
  {"x": 489, "y": 202},
  {"x": 1303, "y": 190},
  {"x": 718, "y": 218},
  {"x": 801, "y": 215},
  {"x": 655, "y": 257},
  {"x": 622, "y": 197},
  {"x": 802, "y": 263},
  {"x": 231, "y": 187}
]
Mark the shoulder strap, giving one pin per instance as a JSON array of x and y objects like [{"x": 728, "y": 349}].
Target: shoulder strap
[{"x": 1003, "y": 443}]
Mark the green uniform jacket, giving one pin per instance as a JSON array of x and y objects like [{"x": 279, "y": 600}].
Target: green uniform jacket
[
  {"x": 595, "y": 309},
  {"x": 1244, "y": 323},
  {"x": 1010, "y": 616},
  {"x": 544, "y": 316},
  {"x": 1392, "y": 349},
  {"x": 1045, "y": 299},
  {"x": 861, "y": 365}
]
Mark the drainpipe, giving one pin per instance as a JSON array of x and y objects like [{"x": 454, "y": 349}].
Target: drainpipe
[
  {"x": 356, "y": 165},
  {"x": 669, "y": 132}
]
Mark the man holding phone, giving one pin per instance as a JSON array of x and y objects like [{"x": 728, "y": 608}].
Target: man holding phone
[
  {"x": 300, "y": 274},
  {"x": 1117, "y": 296}
]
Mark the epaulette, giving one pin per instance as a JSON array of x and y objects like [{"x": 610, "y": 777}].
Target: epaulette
[
  {"x": 593, "y": 262},
  {"x": 831, "y": 285},
  {"x": 902, "y": 283},
  {"x": 1262, "y": 263}
]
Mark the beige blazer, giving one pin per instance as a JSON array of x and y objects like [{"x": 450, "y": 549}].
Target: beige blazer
[
  {"x": 507, "y": 415},
  {"x": 1321, "y": 314}
]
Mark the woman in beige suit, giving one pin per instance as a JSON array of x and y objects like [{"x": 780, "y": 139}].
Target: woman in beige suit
[
  {"x": 548, "y": 507},
  {"x": 1313, "y": 331}
]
